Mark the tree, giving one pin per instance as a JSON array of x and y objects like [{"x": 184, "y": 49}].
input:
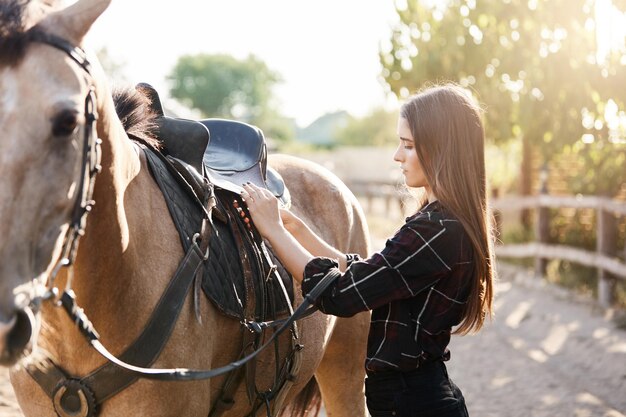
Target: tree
[
  {"x": 222, "y": 86},
  {"x": 534, "y": 64},
  {"x": 375, "y": 129}
]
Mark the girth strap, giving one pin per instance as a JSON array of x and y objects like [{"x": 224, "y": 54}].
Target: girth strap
[{"x": 110, "y": 379}]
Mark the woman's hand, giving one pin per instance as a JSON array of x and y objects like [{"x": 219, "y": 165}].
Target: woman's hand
[{"x": 263, "y": 208}]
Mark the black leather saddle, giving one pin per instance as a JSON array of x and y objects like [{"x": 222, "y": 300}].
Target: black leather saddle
[
  {"x": 214, "y": 157},
  {"x": 228, "y": 152}
]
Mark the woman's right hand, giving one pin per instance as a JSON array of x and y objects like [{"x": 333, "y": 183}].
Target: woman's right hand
[{"x": 263, "y": 208}]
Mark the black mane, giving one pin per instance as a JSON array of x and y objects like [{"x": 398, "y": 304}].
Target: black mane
[
  {"x": 132, "y": 107},
  {"x": 14, "y": 38},
  {"x": 136, "y": 115}
]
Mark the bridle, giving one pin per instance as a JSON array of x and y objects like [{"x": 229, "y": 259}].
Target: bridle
[
  {"x": 90, "y": 167},
  {"x": 82, "y": 207}
]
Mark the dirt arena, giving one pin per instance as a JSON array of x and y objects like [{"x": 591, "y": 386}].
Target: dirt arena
[{"x": 546, "y": 354}]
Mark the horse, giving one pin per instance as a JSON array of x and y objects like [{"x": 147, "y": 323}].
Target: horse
[{"x": 54, "y": 102}]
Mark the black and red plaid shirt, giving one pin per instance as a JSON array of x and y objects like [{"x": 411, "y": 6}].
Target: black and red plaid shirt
[{"x": 416, "y": 287}]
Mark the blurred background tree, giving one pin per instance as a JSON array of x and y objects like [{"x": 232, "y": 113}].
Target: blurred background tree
[
  {"x": 551, "y": 77},
  {"x": 223, "y": 86},
  {"x": 378, "y": 128},
  {"x": 544, "y": 75}
]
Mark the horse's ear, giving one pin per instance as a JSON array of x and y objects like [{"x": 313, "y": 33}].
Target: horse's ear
[{"x": 75, "y": 21}]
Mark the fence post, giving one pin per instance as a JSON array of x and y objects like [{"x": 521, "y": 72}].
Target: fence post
[
  {"x": 606, "y": 243},
  {"x": 542, "y": 225}
]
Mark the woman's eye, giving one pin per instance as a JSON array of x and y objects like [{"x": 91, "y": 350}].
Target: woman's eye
[{"x": 64, "y": 124}]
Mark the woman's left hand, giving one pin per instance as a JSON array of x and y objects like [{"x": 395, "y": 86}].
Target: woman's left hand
[{"x": 263, "y": 208}]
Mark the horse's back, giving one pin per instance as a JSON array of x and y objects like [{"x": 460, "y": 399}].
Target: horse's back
[{"x": 325, "y": 203}]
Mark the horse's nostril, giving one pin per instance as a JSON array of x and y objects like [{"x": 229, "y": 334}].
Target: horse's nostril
[
  {"x": 22, "y": 331},
  {"x": 5, "y": 330},
  {"x": 15, "y": 336}
]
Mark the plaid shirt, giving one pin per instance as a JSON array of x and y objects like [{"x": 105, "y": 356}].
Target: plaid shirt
[{"x": 416, "y": 287}]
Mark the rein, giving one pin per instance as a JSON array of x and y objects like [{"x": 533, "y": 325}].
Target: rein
[
  {"x": 184, "y": 374},
  {"x": 83, "y": 204}
]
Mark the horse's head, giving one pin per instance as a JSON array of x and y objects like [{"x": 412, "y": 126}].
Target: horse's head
[{"x": 45, "y": 105}]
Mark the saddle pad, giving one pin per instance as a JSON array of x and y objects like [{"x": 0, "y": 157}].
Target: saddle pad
[{"x": 223, "y": 280}]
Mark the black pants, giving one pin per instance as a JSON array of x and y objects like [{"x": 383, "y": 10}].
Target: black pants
[{"x": 425, "y": 392}]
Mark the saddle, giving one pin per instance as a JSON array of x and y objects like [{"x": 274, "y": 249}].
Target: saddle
[
  {"x": 211, "y": 159},
  {"x": 228, "y": 152},
  {"x": 206, "y": 162}
]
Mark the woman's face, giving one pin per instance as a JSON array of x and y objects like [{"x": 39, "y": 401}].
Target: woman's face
[{"x": 407, "y": 157}]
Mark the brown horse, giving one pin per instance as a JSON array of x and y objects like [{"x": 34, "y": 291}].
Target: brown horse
[{"x": 130, "y": 246}]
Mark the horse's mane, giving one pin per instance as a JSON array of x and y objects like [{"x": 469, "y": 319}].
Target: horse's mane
[
  {"x": 132, "y": 107},
  {"x": 136, "y": 115},
  {"x": 14, "y": 37}
]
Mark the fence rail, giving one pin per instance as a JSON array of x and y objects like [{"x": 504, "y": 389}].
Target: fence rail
[{"x": 605, "y": 257}]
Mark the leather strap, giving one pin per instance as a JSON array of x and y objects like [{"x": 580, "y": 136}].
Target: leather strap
[
  {"x": 250, "y": 339},
  {"x": 226, "y": 398},
  {"x": 109, "y": 379}
]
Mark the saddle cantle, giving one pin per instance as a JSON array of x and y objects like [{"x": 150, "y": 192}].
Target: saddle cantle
[{"x": 228, "y": 152}]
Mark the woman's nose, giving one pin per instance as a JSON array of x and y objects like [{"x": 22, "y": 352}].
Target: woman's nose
[{"x": 397, "y": 156}]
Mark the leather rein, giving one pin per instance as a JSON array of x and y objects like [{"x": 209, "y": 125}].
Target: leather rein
[{"x": 83, "y": 205}]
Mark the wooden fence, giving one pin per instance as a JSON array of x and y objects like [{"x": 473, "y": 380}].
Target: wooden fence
[
  {"x": 368, "y": 191},
  {"x": 605, "y": 257}
]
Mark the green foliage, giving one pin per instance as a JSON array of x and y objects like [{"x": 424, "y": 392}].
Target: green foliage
[
  {"x": 582, "y": 279},
  {"x": 222, "y": 86},
  {"x": 534, "y": 64},
  {"x": 502, "y": 165},
  {"x": 375, "y": 129},
  {"x": 575, "y": 228},
  {"x": 604, "y": 164}
]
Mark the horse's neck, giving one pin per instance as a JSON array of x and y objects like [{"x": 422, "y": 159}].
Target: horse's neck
[
  {"x": 108, "y": 227},
  {"x": 117, "y": 254}
]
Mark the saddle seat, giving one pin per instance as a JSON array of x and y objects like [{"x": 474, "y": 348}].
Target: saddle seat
[{"x": 228, "y": 152}]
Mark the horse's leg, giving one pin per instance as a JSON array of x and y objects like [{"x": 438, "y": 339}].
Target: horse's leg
[{"x": 341, "y": 372}]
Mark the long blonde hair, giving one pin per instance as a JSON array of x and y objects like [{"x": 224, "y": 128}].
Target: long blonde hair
[{"x": 449, "y": 140}]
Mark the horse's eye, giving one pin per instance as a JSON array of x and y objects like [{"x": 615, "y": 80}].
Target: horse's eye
[{"x": 64, "y": 123}]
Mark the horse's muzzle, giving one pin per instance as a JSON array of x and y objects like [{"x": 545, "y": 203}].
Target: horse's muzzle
[{"x": 16, "y": 336}]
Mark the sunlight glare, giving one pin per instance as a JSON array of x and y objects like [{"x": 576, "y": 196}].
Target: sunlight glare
[{"x": 610, "y": 29}]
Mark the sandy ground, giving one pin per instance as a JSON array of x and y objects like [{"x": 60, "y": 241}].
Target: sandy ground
[{"x": 546, "y": 354}]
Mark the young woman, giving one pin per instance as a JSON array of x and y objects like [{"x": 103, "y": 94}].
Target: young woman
[{"x": 433, "y": 276}]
